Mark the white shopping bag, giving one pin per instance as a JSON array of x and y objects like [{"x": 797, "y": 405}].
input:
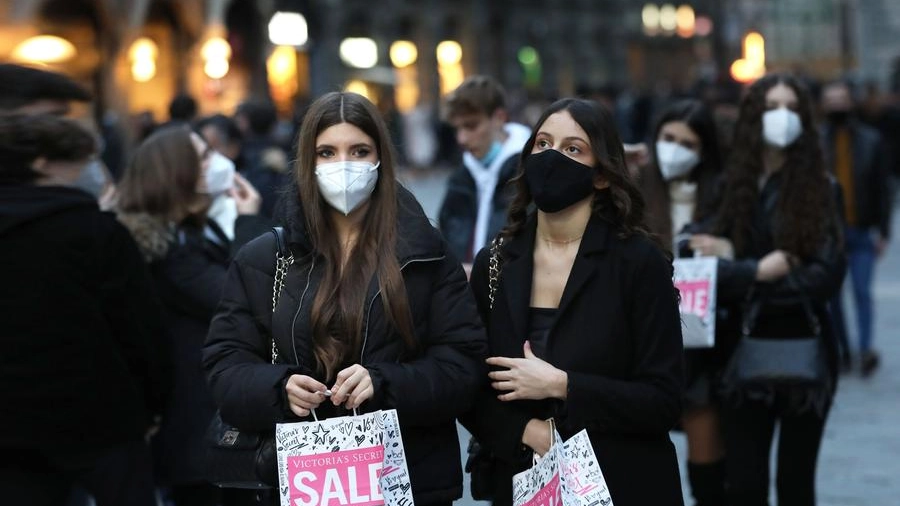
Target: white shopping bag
[
  {"x": 695, "y": 279},
  {"x": 567, "y": 475},
  {"x": 345, "y": 461}
]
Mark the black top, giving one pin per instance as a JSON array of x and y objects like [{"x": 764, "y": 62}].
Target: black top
[{"x": 541, "y": 319}]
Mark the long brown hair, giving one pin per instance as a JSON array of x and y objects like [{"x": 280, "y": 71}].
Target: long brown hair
[
  {"x": 655, "y": 189},
  {"x": 625, "y": 205},
  {"x": 340, "y": 305},
  {"x": 805, "y": 210},
  {"x": 161, "y": 179}
]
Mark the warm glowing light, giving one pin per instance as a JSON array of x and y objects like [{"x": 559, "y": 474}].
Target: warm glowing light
[
  {"x": 44, "y": 49},
  {"x": 755, "y": 47},
  {"x": 403, "y": 53},
  {"x": 451, "y": 77},
  {"x": 216, "y": 68},
  {"x": 753, "y": 65},
  {"x": 685, "y": 21},
  {"x": 143, "y": 70},
  {"x": 216, "y": 48},
  {"x": 143, "y": 49},
  {"x": 359, "y": 52},
  {"x": 650, "y": 17},
  {"x": 449, "y": 52},
  {"x": 668, "y": 17},
  {"x": 142, "y": 53},
  {"x": 288, "y": 29},
  {"x": 359, "y": 87},
  {"x": 281, "y": 68}
]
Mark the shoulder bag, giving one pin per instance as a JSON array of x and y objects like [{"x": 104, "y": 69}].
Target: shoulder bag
[
  {"x": 761, "y": 366},
  {"x": 238, "y": 458}
]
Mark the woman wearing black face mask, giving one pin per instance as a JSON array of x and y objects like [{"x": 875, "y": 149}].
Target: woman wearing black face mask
[{"x": 583, "y": 321}]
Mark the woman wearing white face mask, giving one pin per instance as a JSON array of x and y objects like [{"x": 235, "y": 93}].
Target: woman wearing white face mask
[
  {"x": 164, "y": 199},
  {"x": 779, "y": 216},
  {"x": 374, "y": 308},
  {"x": 681, "y": 187}
]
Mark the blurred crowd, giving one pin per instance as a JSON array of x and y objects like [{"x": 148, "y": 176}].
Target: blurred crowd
[{"x": 114, "y": 259}]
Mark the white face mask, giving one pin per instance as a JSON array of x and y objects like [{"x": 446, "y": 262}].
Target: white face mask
[
  {"x": 781, "y": 127},
  {"x": 675, "y": 161},
  {"x": 346, "y": 185},
  {"x": 219, "y": 174}
]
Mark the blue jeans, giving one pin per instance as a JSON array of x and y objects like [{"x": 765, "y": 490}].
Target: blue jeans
[{"x": 861, "y": 258}]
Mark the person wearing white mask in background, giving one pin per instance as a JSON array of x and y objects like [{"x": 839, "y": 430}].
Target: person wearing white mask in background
[
  {"x": 164, "y": 200},
  {"x": 779, "y": 216},
  {"x": 681, "y": 186},
  {"x": 374, "y": 307}
]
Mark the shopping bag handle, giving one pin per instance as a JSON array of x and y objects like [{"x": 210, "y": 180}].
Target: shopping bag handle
[
  {"x": 316, "y": 418},
  {"x": 534, "y": 456}
]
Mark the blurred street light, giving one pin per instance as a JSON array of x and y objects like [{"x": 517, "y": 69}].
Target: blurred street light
[
  {"x": 650, "y": 18},
  {"x": 449, "y": 58},
  {"x": 403, "y": 53},
  {"x": 703, "y": 26},
  {"x": 685, "y": 21},
  {"x": 288, "y": 29},
  {"x": 142, "y": 54},
  {"x": 216, "y": 51},
  {"x": 359, "y": 87},
  {"x": 753, "y": 64},
  {"x": 44, "y": 49},
  {"x": 668, "y": 18},
  {"x": 359, "y": 52},
  {"x": 449, "y": 52}
]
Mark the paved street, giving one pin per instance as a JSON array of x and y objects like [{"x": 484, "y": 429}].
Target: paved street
[{"x": 860, "y": 460}]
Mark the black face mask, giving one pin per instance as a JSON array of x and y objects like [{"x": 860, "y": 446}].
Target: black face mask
[
  {"x": 557, "y": 181},
  {"x": 838, "y": 117}
]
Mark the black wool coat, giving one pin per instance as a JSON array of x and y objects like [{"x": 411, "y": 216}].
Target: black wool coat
[
  {"x": 188, "y": 265},
  {"x": 428, "y": 390},
  {"x": 617, "y": 335},
  {"x": 83, "y": 365}
]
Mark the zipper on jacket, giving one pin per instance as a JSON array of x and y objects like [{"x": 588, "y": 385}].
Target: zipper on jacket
[
  {"x": 299, "y": 307},
  {"x": 362, "y": 352}
]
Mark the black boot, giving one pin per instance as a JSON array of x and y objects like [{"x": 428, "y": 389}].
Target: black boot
[{"x": 707, "y": 483}]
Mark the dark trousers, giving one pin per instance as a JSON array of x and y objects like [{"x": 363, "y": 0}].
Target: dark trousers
[
  {"x": 117, "y": 476},
  {"x": 749, "y": 430}
]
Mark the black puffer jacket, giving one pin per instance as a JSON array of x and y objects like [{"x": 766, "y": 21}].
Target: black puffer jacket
[{"x": 428, "y": 391}]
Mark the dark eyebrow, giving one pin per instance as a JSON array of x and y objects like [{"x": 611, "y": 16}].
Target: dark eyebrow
[{"x": 575, "y": 138}]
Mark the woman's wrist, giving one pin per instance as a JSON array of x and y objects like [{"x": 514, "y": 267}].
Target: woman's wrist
[{"x": 559, "y": 386}]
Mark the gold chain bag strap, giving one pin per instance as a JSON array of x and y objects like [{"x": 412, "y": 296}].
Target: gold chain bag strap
[
  {"x": 494, "y": 269},
  {"x": 284, "y": 258},
  {"x": 236, "y": 458},
  {"x": 481, "y": 463}
]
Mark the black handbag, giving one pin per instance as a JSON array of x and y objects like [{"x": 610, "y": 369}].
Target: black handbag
[
  {"x": 761, "y": 366},
  {"x": 236, "y": 458},
  {"x": 481, "y": 464}
]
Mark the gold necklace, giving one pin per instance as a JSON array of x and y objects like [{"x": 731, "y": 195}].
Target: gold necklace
[{"x": 563, "y": 242}]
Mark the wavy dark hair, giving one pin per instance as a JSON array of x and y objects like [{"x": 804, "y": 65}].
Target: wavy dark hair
[
  {"x": 339, "y": 306},
  {"x": 805, "y": 206},
  {"x": 621, "y": 204},
  {"x": 700, "y": 120}
]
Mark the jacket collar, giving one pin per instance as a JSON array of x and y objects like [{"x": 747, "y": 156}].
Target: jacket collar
[{"x": 517, "y": 270}]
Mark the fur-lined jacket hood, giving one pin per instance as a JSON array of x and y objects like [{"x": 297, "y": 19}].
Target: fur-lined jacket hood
[{"x": 153, "y": 236}]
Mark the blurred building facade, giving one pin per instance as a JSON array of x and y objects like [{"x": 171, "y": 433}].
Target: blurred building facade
[{"x": 137, "y": 54}]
